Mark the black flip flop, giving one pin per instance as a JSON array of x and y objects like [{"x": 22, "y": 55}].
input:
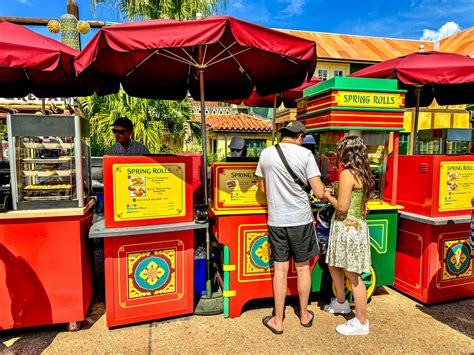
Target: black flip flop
[
  {"x": 310, "y": 323},
  {"x": 265, "y": 321}
]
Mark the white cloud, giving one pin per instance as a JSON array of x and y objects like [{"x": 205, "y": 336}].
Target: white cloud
[
  {"x": 448, "y": 29},
  {"x": 237, "y": 4},
  {"x": 295, "y": 7}
]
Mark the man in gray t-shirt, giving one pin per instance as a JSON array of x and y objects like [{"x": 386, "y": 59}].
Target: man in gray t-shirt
[
  {"x": 290, "y": 219},
  {"x": 123, "y": 131}
]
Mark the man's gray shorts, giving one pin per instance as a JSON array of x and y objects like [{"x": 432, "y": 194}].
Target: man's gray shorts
[{"x": 298, "y": 241}]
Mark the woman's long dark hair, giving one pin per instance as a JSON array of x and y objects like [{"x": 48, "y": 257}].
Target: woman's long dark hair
[{"x": 352, "y": 154}]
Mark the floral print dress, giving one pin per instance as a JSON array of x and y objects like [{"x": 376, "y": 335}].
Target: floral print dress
[{"x": 349, "y": 241}]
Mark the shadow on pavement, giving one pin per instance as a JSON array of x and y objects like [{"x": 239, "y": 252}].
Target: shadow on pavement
[
  {"x": 458, "y": 314},
  {"x": 97, "y": 307},
  {"x": 28, "y": 340}
]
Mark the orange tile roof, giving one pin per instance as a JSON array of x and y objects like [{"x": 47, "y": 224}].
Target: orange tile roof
[
  {"x": 360, "y": 48},
  {"x": 235, "y": 123},
  {"x": 460, "y": 43}
]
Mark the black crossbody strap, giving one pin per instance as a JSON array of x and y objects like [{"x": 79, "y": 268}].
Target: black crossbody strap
[{"x": 295, "y": 177}]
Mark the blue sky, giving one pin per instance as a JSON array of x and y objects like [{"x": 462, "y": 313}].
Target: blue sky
[{"x": 411, "y": 19}]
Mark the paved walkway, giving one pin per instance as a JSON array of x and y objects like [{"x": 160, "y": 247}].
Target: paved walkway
[{"x": 398, "y": 324}]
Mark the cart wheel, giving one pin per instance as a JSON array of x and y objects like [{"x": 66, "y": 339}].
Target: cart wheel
[
  {"x": 369, "y": 279},
  {"x": 73, "y": 326}
]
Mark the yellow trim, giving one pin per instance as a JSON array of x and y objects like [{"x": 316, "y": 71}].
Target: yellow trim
[
  {"x": 229, "y": 293},
  {"x": 311, "y": 107},
  {"x": 382, "y": 206},
  {"x": 228, "y": 267},
  {"x": 236, "y": 212}
]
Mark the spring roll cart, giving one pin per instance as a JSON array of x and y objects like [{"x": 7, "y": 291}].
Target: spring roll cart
[
  {"x": 148, "y": 233},
  {"x": 374, "y": 110}
]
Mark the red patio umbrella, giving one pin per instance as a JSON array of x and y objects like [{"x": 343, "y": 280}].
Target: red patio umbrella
[
  {"x": 447, "y": 77},
  {"x": 32, "y": 63},
  {"x": 219, "y": 58},
  {"x": 166, "y": 59},
  {"x": 288, "y": 98}
]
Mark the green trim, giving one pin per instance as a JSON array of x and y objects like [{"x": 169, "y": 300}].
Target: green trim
[
  {"x": 360, "y": 109},
  {"x": 353, "y": 84},
  {"x": 226, "y": 282},
  {"x": 343, "y": 128}
]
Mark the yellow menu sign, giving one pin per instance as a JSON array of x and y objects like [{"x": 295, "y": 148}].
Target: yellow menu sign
[
  {"x": 368, "y": 99},
  {"x": 237, "y": 188},
  {"x": 456, "y": 185},
  {"x": 146, "y": 191}
]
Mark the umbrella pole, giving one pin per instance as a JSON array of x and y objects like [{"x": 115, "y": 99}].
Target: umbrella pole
[
  {"x": 415, "y": 126},
  {"x": 204, "y": 175},
  {"x": 211, "y": 303},
  {"x": 273, "y": 119}
]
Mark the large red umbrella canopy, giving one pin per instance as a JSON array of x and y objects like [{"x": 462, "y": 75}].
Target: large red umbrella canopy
[
  {"x": 162, "y": 58},
  {"x": 32, "y": 63},
  {"x": 288, "y": 98},
  {"x": 448, "y": 77}
]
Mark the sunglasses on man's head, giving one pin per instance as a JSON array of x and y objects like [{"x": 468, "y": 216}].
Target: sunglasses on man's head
[{"x": 119, "y": 131}]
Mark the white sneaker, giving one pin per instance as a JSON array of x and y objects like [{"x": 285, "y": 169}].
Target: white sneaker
[
  {"x": 353, "y": 327},
  {"x": 335, "y": 307}
]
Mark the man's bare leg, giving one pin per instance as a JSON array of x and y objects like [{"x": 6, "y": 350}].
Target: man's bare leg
[
  {"x": 280, "y": 281},
  {"x": 304, "y": 288}
]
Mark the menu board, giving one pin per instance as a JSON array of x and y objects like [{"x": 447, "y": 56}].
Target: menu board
[
  {"x": 456, "y": 185},
  {"x": 237, "y": 188},
  {"x": 146, "y": 191}
]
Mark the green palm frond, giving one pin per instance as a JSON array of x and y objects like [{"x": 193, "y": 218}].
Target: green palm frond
[
  {"x": 156, "y": 122},
  {"x": 170, "y": 9}
]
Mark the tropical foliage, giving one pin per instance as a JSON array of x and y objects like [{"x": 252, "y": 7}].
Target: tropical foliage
[{"x": 158, "y": 124}]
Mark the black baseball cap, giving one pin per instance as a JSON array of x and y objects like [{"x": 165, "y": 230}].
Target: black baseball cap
[
  {"x": 123, "y": 122},
  {"x": 295, "y": 127}
]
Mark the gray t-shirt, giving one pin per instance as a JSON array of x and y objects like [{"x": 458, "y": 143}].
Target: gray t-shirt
[
  {"x": 288, "y": 204},
  {"x": 134, "y": 148}
]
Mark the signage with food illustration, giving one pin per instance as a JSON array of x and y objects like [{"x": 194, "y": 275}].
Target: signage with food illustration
[
  {"x": 148, "y": 191},
  {"x": 456, "y": 186},
  {"x": 235, "y": 187}
]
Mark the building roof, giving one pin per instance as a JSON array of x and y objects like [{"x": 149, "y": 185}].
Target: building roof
[
  {"x": 376, "y": 49},
  {"x": 235, "y": 123},
  {"x": 460, "y": 43}
]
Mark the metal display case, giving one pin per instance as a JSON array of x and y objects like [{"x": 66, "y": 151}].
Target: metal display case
[{"x": 49, "y": 161}]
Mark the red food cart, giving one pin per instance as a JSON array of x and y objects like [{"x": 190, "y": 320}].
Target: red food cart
[
  {"x": 434, "y": 260},
  {"x": 148, "y": 234},
  {"x": 45, "y": 264},
  {"x": 239, "y": 223}
]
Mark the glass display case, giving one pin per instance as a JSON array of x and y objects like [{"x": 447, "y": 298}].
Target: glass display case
[
  {"x": 451, "y": 141},
  {"x": 376, "y": 142},
  {"x": 49, "y": 161}
]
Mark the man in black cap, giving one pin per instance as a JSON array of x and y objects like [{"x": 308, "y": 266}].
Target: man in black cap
[
  {"x": 290, "y": 219},
  {"x": 123, "y": 130}
]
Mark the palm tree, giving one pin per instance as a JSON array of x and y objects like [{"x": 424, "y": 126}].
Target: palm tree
[
  {"x": 157, "y": 123},
  {"x": 166, "y": 9}
]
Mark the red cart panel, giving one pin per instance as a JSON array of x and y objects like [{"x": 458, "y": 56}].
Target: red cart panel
[{"x": 149, "y": 276}]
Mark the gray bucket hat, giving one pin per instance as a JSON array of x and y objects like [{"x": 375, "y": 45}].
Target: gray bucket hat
[
  {"x": 295, "y": 127},
  {"x": 237, "y": 143}
]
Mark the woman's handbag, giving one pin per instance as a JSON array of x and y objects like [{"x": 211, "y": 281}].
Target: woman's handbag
[{"x": 323, "y": 225}]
